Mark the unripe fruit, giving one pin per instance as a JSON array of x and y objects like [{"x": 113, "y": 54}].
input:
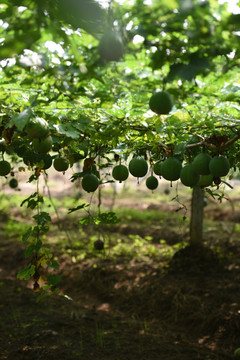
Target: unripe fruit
[
  {"x": 219, "y": 166},
  {"x": 166, "y": 191},
  {"x": 56, "y": 147},
  {"x": 205, "y": 180},
  {"x": 152, "y": 182},
  {"x": 5, "y": 168},
  {"x": 205, "y": 201},
  {"x": 37, "y": 128},
  {"x": 138, "y": 167},
  {"x": 60, "y": 164},
  {"x": 43, "y": 145},
  {"x": 111, "y": 46},
  {"x": 90, "y": 182},
  {"x": 157, "y": 168},
  {"x": 171, "y": 169},
  {"x": 161, "y": 102},
  {"x": 43, "y": 161},
  {"x": 188, "y": 176},
  {"x": 201, "y": 163},
  {"x": 31, "y": 158},
  {"x": 13, "y": 183},
  {"x": 120, "y": 172},
  {"x": 98, "y": 245},
  {"x": 19, "y": 147},
  {"x": 46, "y": 159}
]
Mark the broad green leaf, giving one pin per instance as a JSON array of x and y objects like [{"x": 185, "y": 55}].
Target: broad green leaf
[
  {"x": 170, "y": 4},
  {"x": 38, "y": 245},
  {"x": 26, "y": 235},
  {"x": 82, "y": 123},
  {"x": 180, "y": 149},
  {"x": 53, "y": 264},
  {"x": 68, "y": 130},
  {"x": 29, "y": 198},
  {"x": 21, "y": 120},
  {"x": 106, "y": 218},
  {"x": 53, "y": 279},
  {"x": 86, "y": 220},
  {"x": 27, "y": 273},
  {"x": 42, "y": 218},
  {"x": 88, "y": 15},
  {"x": 29, "y": 250},
  {"x": 32, "y": 204}
]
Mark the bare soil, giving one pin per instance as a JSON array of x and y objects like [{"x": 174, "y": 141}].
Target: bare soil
[{"x": 186, "y": 307}]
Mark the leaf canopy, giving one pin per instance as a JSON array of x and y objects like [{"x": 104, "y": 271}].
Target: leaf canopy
[{"x": 96, "y": 107}]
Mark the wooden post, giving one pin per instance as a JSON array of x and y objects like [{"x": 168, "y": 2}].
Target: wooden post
[{"x": 196, "y": 221}]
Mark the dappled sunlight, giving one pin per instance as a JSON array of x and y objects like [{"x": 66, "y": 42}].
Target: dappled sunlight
[{"x": 103, "y": 307}]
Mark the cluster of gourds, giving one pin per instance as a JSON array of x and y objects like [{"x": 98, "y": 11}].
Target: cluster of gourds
[{"x": 203, "y": 171}]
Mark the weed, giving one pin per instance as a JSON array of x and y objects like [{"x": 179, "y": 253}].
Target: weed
[{"x": 99, "y": 336}]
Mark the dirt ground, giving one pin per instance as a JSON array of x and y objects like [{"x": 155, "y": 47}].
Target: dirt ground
[{"x": 185, "y": 307}]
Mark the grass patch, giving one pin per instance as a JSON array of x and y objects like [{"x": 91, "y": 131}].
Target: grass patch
[
  {"x": 128, "y": 214},
  {"x": 15, "y": 228}
]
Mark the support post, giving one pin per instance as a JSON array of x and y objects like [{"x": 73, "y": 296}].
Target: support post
[{"x": 196, "y": 221}]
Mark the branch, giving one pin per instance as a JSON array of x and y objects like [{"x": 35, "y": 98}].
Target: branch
[
  {"x": 212, "y": 146},
  {"x": 202, "y": 143},
  {"x": 230, "y": 142}
]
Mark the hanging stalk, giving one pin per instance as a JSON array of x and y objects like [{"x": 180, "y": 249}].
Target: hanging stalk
[{"x": 57, "y": 213}]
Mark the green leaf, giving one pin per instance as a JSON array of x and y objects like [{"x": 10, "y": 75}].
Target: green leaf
[
  {"x": 53, "y": 279},
  {"x": 29, "y": 250},
  {"x": 53, "y": 264},
  {"x": 68, "y": 130},
  {"x": 188, "y": 71},
  {"x": 78, "y": 208},
  {"x": 86, "y": 220},
  {"x": 27, "y": 273},
  {"x": 32, "y": 178},
  {"x": 32, "y": 203},
  {"x": 106, "y": 218},
  {"x": 209, "y": 124},
  {"x": 75, "y": 128},
  {"x": 29, "y": 198},
  {"x": 41, "y": 296},
  {"x": 38, "y": 245},
  {"x": 21, "y": 120},
  {"x": 180, "y": 148},
  {"x": 171, "y": 4},
  {"x": 77, "y": 176},
  {"x": 33, "y": 247},
  {"x": 234, "y": 19},
  {"x": 26, "y": 235},
  {"x": 82, "y": 123},
  {"x": 85, "y": 14},
  {"x": 42, "y": 218}
]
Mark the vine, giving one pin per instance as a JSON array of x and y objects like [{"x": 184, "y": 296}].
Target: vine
[{"x": 38, "y": 255}]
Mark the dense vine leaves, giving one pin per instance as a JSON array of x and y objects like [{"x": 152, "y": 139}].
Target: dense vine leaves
[{"x": 94, "y": 107}]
